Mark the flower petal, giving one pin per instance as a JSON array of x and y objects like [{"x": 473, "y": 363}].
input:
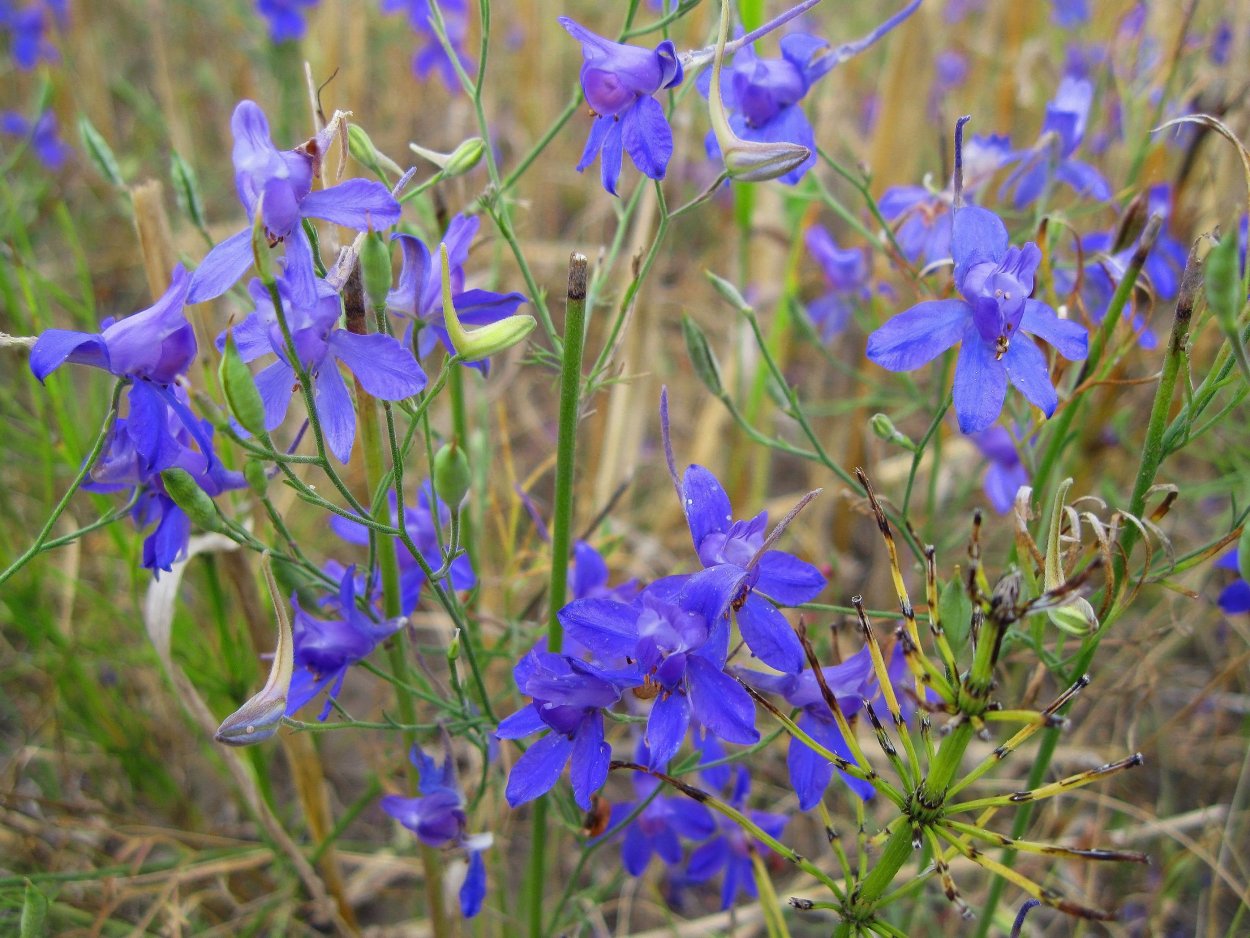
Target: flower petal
[
  {"x": 980, "y": 384},
  {"x": 977, "y": 236},
  {"x": 719, "y": 703},
  {"x": 590, "y": 757},
  {"x": 666, "y": 728},
  {"x": 538, "y": 769},
  {"x": 1070, "y": 339},
  {"x": 1027, "y": 368},
  {"x": 221, "y": 268},
  {"x": 606, "y": 627},
  {"x": 335, "y": 411},
  {"x": 647, "y": 137},
  {"x": 383, "y": 367},
  {"x": 354, "y": 203},
  {"x": 918, "y": 335},
  {"x": 705, "y": 503},
  {"x": 788, "y": 580},
  {"x": 769, "y": 635},
  {"x": 55, "y": 346}
]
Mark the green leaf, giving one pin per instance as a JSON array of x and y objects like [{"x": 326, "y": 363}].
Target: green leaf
[
  {"x": 702, "y": 357},
  {"x": 100, "y": 152},
  {"x": 239, "y": 387},
  {"x": 187, "y": 190},
  {"x": 955, "y": 609},
  {"x": 34, "y": 913}
]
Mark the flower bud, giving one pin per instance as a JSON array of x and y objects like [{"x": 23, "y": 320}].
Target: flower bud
[
  {"x": 456, "y": 163},
  {"x": 259, "y": 718},
  {"x": 452, "y": 474},
  {"x": 484, "y": 341},
  {"x": 193, "y": 500},
  {"x": 256, "y": 476},
  {"x": 375, "y": 269},
  {"x": 361, "y": 147},
  {"x": 884, "y": 429},
  {"x": 702, "y": 357},
  {"x": 239, "y": 388},
  {"x": 729, "y": 292},
  {"x": 746, "y": 160}
]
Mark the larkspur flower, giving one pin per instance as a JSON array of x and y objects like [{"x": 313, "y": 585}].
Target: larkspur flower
[
  {"x": 43, "y": 136},
  {"x": 619, "y": 82},
  {"x": 1234, "y": 599},
  {"x": 156, "y": 344},
  {"x": 731, "y": 851},
  {"x": 438, "y": 819},
  {"x": 670, "y": 647},
  {"x": 589, "y": 574},
  {"x": 569, "y": 697},
  {"x": 659, "y": 828},
  {"x": 1005, "y": 472},
  {"x": 1051, "y": 157},
  {"x": 28, "y": 31},
  {"x": 418, "y": 296},
  {"x": 285, "y": 18},
  {"x": 380, "y": 363},
  {"x": 847, "y": 274},
  {"x": 994, "y": 320},
  {"x": 326, "y": 648},
  {"x": 431, "y": 56},
  {"x": 739, "y": 572},
  {"x": 284, "y": 179},
  {"x": 420, "y": 522},
  {"x": 763, "y": 96},
  {"x": 852, "y": 683},
  {"x": 1069, "y": 14}
]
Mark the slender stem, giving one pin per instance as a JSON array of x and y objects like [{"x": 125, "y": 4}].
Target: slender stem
[{"x": 96, "y": 448}]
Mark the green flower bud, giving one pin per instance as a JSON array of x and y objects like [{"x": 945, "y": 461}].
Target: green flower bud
[
  {"x": 100, "y": 152},
  {"x": 728, "y": 292},
  {"x": 375, "y": 269},
  {"x": 456, "y": 163},
  {"x": 193, "y": 500},
  {"x": 883, "y": 427},
  {"x": 484, "y": 341},
  {"x": 452, "y": 474},
  {"x": 453, "y": 650},
  {"x": 363, "y": 151},
  {"x": 1222, "y": 282},
  {"x": 256, "y": 476},
  {"x": 240, "y": 389},
  {"x": 187, "y": 190},
  {"x": 702, "y": 357}
]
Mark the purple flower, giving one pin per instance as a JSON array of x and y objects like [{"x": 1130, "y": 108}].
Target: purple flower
[
  {"x": 658, "y": 829},
  {"x": 670, "y": 647},
  {"x": 994, "y": 320},
  {"x": 568, "y": 700},
  {"x": 28, "y": 28},
  {"x": 419, "y": 520},
  {"x": 1005, "y": 473},
  {"x": 846, "y": 273},
  {"x": 326, "y": 648},
  {"x": 438, "y": 819},
  {"x": 731, "y": 851},
  {"x": 852, "y": 682},
  {"x": 43, "y": 136},
  {"x": 588, "y": 578},
  {"x": 1051, "y": 157},
  {"x": 284, "y": 178},
  {"x": 383, "y": 367},
  {"x": 1234, "y": 598},
  {"x": 619, "y": 81},
  {"x": 156, "y": 344},
  {"x": 1069, "y": 14},
  {"x": 431, "y": 56},
  {"x": 418, "y": 294},
  {"x": 740, "y": 572},
  {"x": 285, "y": 18}
]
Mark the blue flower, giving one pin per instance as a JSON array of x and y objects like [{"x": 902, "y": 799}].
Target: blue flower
[
  {"x": 285, "y": 18},
  {"x": 284, "y": 178},
  {"x": 1005, "y": 473},
  {"x": 1069, "y": 14},
  {"x": 28, "y": 28},
  {"x": 325, "y": 649},
  {"x": 659, "y": 828},
  {"x": 1051, "y": 157},
  {"x": 739, "y": 573},
  {"x": 847, "y": 273},
  {"x": 1235, "y": 597},
  {"x": 588, "y": 578},
  {"x": 438, "y": 819},
  {"x": 670, "y": 647},
  {"x": 619, "y": 82},
  {"x": 418, "y": 295},
  {"x": 383, "y": 367},
  {"x": 42, "y": 134},
  {"x": 431, "y": 56},
  {"x": 569, "y": 697},
  {"x": 731, "y": 851},
  {"x": 994, "y": 320},
  {"x": 852, "y": 682}
]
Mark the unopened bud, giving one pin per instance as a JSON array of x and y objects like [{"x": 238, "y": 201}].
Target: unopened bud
[
  {"x": 453, "y": 649},
  {"x": 702, "y": 357},
  {"x": 256, "y": 476},
  {"x": 456, "y": 163},
  {"x": 239, "y": 388},
  {"x": 884, "y": 429},
  {"x": 260, "y": 717},
  {"x": 375, "y": 269},
  {"x": 729, "y": 292},
  {"x": 195, "y": 503},
  {"x": 453, "y": 475},
  {"x": 484, "y": 341},
  {"x": 363, "y": 151}
]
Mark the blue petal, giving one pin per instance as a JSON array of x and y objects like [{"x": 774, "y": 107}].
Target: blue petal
[
  {"x": 706, "y": 861},
  {"x": 274, "y": 384},
  {"x": 788, "y": 580},
  {"x": 525, "y": 722},
  {"x": 769, "y": 635},
  {"x": 918, "y": 335},
  {"x": 334, "y": 410},
  {"x": 354, "y": 203},
  {"x": 636, "y": 850},
  {"x": 720, "y": 704},
  {"x": 647, "y": 137},
  {"x": 666, "y": 728},
  {"x": 594, "y": 142},
  {"x": 383, "y": 367},
  {"x": 1070, "y": 339},
  {"x": 221, "y": 268},
  {"x": 977, "y": 236},
  {"x": 473, "y": 891},
  {"x": 54, "y": 346},
  {"x": 610, "y": 158},
  {"x": 538, "y": 769},
  {"x": 980, "y": 384},
  {"x": 606, "y": 627},
  {"x": 710, "y": 592},
  {"x": 705, "y": 503},
  {"x": 809, "y": 773},
  {"x": 1235, "y": 598},
  {"x": 591, "y": 755},
  {"x": 1026, "y": 367}
]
